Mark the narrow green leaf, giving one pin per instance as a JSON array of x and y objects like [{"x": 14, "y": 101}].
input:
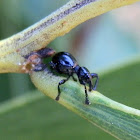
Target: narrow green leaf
[
  {"x": 36, "y": 117},
  {"x": 117, "y": 119},
  {"x": 39, "y": 117}
]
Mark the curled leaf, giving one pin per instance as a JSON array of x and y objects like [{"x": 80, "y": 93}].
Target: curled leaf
[{"x": 117, "y": 119}]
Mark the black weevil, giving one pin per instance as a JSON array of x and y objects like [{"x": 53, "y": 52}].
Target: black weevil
[{"x": 65, "y": 63}]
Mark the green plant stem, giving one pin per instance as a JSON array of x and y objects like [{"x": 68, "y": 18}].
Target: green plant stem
[
  {"x": 57, "y": 24},
  {"x": 117, "y": 119}
]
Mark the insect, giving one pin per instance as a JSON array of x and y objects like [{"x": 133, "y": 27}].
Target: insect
[{"x": 65, "y": 63}]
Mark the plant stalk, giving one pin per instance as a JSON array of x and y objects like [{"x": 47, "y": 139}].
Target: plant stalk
[{"x": 56, "y": 24}]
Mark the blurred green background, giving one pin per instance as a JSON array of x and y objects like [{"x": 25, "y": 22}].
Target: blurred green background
[{"x": 101, "y": 44}]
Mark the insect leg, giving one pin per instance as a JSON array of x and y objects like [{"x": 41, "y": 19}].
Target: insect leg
[
  {"x": 74, "y": 79},
  {"x": 60, "y": 83},
  {"x": 86, "y": 96},
  {"x": 94, "y": 75}
]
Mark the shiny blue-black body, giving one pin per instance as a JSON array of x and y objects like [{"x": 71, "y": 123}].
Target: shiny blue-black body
[{"x": 65, "y": 63}]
